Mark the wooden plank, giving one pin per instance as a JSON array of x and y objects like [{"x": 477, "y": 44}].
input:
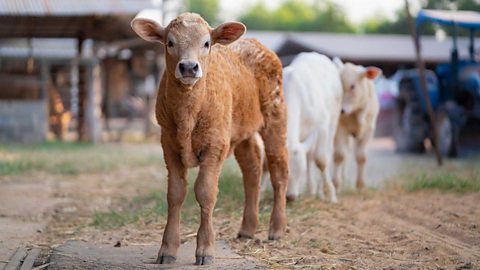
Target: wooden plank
[
  {"x": 30, "y": 259},
  {"x": 16, "y": 259},
  {"x": 78, "y": 255}
]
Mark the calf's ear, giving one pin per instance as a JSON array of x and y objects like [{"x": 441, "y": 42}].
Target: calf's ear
[
  {"x": 372, "y": 73},
  {"x": 148, "y": 29},
  {"x": 228, "y": 32}
]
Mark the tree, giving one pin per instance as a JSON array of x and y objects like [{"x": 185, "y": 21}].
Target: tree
[
  {"x": 298, "y": 15},
  {"x": 453, "y": 4},
  {"x": 400, "y": 25},
  {"x": 208, "y": 9}
]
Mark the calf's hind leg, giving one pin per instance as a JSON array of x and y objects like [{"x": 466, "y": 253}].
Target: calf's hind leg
[
  {"x": 249, "y": 159},
  {"x": 274, "y": 137}
]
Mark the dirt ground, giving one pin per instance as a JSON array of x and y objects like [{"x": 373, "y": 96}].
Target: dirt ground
[
  {"x": 425, "y": 230},
  {"x": 388, "y": 228}
]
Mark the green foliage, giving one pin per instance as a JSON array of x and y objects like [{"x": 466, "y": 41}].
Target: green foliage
[
  {"x": 208, "y": 9},
  {"x": 298, "y": 15},
  {"x": 386, "y": 26},
  {"x": 399, "y": 25},
  {"x": 453, "y": 4},
  {"x": 445, "y": 182}
]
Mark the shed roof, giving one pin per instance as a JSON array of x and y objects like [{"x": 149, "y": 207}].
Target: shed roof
[
  {"x": 95, "y": 19},
  {"x": 72, "y": 7},
  {"x": 62, "y": 48},
  {"x": 394, "y": 48}
]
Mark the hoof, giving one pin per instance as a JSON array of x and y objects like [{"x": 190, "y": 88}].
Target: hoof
[
  {"x": 166, "y": 259},
  {"x": 333, "y": 200},
  {"x": 203, "y": 260},
  {"x": 243, "y": 235},
  {"x": 274, "y": 236},
  {"x": 291, "y": 198}
]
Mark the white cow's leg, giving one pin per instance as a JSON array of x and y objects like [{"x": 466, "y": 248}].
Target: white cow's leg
[
  {"x": 266, "y": 185},
  {"x": 322, "y": 153},
  {"x": 315, "y": 187},
  {"x": 265, "y": 180},
  {"x": 339, "y": 155},
  {"x": 328, "y": 188},
  {"x": 298, "y": 168},
  {"x": 311, "y": 185}
]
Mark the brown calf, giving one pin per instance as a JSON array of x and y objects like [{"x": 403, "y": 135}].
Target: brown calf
[{"x": 212, "y": 100}]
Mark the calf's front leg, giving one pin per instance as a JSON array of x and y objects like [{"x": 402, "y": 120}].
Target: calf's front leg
[
  {"x": 361, "y": 158},
  {"x": 177, "y": 190},
  {"x": 206, "y": 189}
]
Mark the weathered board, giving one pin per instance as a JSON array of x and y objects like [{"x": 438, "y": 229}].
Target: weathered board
[
  {"x": 80, "y": 255},
  {"x": 22, "y": 259}
]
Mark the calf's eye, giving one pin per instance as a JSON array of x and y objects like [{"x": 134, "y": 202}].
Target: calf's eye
[
  {"x": 170, "y": 44},
  {"x": 206, "y": 45},
  {"x": 352, "y": 87}
]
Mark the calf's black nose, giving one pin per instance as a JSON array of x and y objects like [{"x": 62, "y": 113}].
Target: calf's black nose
[{"x": 188, "y": 68}]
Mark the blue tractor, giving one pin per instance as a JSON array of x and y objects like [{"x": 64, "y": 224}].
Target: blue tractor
[{"x": 453, "y": 89}]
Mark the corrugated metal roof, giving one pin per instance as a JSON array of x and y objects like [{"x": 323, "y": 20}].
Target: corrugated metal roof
[
  {"x": 44, "y": 47},
  {"x": 364, "y": 47},
  {"x": 383, "y": 47},
  {"x": 73, "y": 7}
]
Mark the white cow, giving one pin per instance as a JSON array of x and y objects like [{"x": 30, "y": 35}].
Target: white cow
[
  {"x": 313, "y": 93},
  {"x": 358, "y": 117}
]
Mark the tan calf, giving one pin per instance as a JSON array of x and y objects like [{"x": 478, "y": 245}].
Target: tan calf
[
  {"x": 212, "y": 100},
  {"x": 357, "y": 119}
]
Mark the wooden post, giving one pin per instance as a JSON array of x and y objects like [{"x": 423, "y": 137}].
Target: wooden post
[
  {"x": 45, "y": 78},
  {"x": 82, "y": 85},
  {"x": 423, "y": 80},
  {"x": 106, "y": 64},
  {"x": 149, "y": 90},
  {"x": 77, "y": 91},
  {"x": 92, "y": 117}
]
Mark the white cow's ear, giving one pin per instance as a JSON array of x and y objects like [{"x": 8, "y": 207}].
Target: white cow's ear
[
  {"x": 228, "y": 32},
  {"x": 338, "y": 63},
  {"x": 148, "y": 29},
  {"x": 372, "y": 73}
]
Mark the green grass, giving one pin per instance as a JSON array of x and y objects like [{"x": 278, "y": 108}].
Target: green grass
[
  {"x": 153, "y": 206},
  {"x": 60, "y": 158},
  {"x": 445, "y": 182},
  {"x": 147, "y": 208}
]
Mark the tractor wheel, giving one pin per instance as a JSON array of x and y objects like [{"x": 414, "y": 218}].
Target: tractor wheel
[
  {"x": 410, "y": 129},
  {"x": 447, "y": 135}
]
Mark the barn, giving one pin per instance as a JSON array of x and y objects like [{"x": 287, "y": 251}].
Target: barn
[
  {"x": 389, "y": 52},
  {"x": 58, "y": 59}
]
